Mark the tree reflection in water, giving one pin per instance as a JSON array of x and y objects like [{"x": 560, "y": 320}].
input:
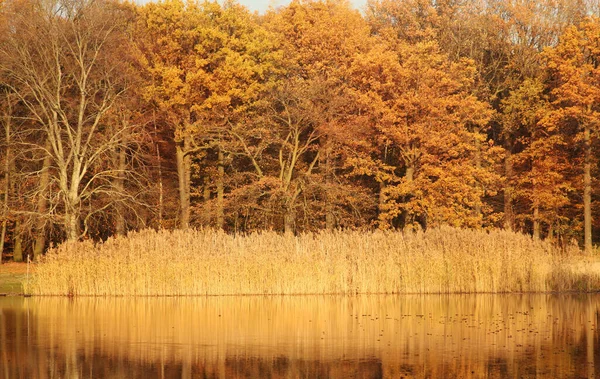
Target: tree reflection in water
[{"x": 467, "y": 336}]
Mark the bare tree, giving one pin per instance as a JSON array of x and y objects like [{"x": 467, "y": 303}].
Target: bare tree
[{"x": 67, "y": 63}]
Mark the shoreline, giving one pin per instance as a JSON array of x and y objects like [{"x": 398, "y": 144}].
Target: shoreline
[
  {"x": 564, "y": 292},
  {"x": 12, "y": 278}
]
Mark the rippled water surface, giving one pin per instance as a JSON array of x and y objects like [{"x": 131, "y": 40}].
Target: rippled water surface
[{"x": 466, "y": 336}]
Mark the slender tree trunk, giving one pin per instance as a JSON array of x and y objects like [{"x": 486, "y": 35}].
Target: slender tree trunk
[
  {"x": 2, "y": 236},
  {"x": 160, "y": 178},
  {"x": 120, "y": 226},
  {"x": 18, "y": 243},
  {"x": 42, "y": 208},
  {"x": 119, "y": 181},
  {"x": 409, "y": 177},
  {"x": 381, "y": 206},
  {"x": 587, "y": 190},
  {"x": 8, "y": 167},
  {"x": 184, "y": 174},
  {"x": 289, "y": 219},
  {"x": 536, "y": 221},
  {"x": 478, "y": 167},
  {"x": 220, "y": 190},
  {"x": 7, "y": 187},
  {"x": 161, "y": 195},
  {"x": 206, "y": 197},
  {"x": 328, "y": 171},
  {"x": 329, "y": 215},
  {"x": 508, "y": 191},
  {"x": 536, "y": 209}
]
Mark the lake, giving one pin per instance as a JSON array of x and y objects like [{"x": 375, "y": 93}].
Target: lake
[{"x": 371, "y": 336}]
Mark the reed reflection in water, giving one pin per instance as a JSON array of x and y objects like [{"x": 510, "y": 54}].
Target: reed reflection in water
[{"x": 467, "y": 336}]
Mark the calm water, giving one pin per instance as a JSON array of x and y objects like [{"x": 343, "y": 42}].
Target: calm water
[{"x": 458, "y": 336}]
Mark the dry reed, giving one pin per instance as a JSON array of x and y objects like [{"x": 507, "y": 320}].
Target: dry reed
[{"x": 207, "y": 262}]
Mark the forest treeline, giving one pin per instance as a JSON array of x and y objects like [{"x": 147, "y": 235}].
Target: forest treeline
[{"x": 411, "y": 113}]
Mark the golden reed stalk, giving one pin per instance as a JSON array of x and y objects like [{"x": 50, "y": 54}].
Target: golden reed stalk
[{"x": 208, "y": 262}]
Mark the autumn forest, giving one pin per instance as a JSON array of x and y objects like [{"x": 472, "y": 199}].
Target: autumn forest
[{"x": 411, "y": 114}]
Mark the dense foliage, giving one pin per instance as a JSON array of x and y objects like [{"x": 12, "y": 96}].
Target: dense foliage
[{"x": 411, "y": 114}]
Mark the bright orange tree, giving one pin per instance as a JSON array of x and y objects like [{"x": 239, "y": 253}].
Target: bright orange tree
[
  {"x": 296, "y": 147},
  {"x": 574, "y": 69},
  {"x": 542, "y": 161},
  {"x": 167, "y": 35},
  {"x": 207, "y": 66},
  {"x": 429, "y": 133}
]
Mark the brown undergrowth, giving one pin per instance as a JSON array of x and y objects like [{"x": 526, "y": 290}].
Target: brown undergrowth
[{"x": 208, "y": 262}]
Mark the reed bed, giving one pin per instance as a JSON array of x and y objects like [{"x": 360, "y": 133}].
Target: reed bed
[{"x": 208, "y": 262}]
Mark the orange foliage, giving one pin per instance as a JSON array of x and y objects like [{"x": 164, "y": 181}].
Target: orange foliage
[
  {"x": 416, "y": 113},
  {"x": 430, "y": 125}
]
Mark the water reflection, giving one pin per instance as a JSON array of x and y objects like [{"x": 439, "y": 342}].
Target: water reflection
[{"x": 463, "y": 336}]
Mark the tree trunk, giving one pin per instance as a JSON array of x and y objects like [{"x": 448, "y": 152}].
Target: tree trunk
[
  {"x": 409, "y": 177},
  {"x": 381, "y": 206},
  {"x": 206, "y": 198},
  {"x": 160, "y": 178},
  {"x": 220, "y": 190},
  {"x": 42, "y": 207},
  {"x": 5, "y": 208},
  {"x": 587, "y": 190},
  {"x": 508, "y": 191},
  {"x": 120, "y": 227},
  {"x": 8, "y": 166},
  {"x": 289, "y": 219},
  {"x": 184, "y": 173},
  {"x": 71, "y": 223},
  {"x": 410, "y": 173},
  {"x": 328, "y": 171},
  {"x": 478, "y": 167},
  {"x": 2, "y": 236},
  {"x": 536, "y": 221},
  {"x": 536, "y": 209},
  {"x": 160, "y": 191},
  {"x": 18, "y": 243},
  {"x": 329, "y": 215}
]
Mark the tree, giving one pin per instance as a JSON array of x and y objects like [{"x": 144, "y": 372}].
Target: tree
[
  {"x": 283, "y": 157},
  {"x": 575, "y": 73},
  {"x": 503, "y": 38},
  {"x": 542, "y": 161},
  {"x": 245, "y": 60},
  {"x": 427, "y": 118},
  {"x": 67, "y": 62},
  {"x": 206, "y": 66},
  {"x": 312, "y": 107},
  {"x": 168, "y": 34}
]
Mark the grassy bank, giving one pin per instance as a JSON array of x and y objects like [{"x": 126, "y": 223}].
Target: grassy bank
[
  {"x": 444, "y": 260},
  {"x": 13, "y": 277}
]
